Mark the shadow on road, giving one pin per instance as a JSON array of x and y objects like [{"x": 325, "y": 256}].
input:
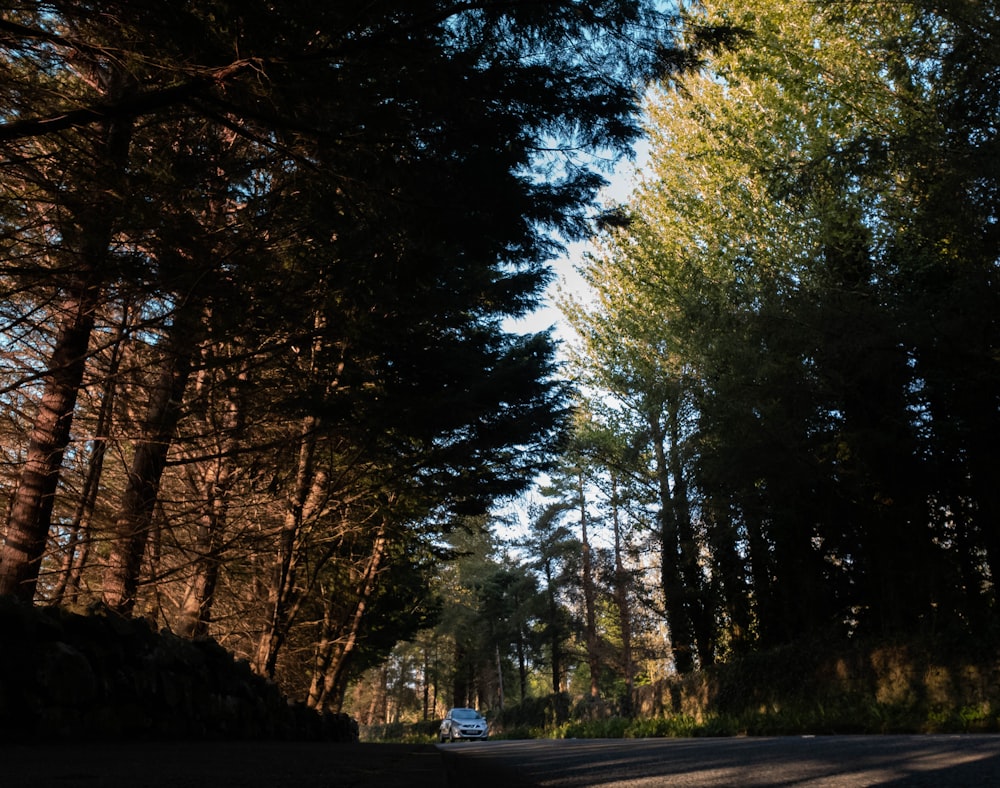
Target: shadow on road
[{"x": 787, "y": 761}]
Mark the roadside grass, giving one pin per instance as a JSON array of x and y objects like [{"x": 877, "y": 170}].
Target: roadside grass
[
  {"x": 846, "y": 719},
  {"x": 400, "y": 733},
  {"x": 851, "y": 716},
  {"x": 917, "y": 686}
]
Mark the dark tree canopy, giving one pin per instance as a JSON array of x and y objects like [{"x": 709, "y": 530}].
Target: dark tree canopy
[{"x": 309, "y": 223}]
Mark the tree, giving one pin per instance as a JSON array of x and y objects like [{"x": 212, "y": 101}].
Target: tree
[
  {"x": 783, "y": 237},
  {"x": 553, "y": 550},
  {"x": 623, "y": 356},
  {"x": 946, "y": 274},
  {"x": 77, "y": 264},
  {"x": 301, "y": 181}
]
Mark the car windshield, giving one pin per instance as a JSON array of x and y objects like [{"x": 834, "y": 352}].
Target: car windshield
[{"x": 465, "y": 714}]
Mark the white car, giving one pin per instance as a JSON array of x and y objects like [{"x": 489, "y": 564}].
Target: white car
[{"x": 463, "y": 724}]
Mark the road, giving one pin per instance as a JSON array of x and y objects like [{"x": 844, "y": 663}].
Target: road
[
  {"x": 791, "y": 762},
  {"x": 817, "y": 762}
]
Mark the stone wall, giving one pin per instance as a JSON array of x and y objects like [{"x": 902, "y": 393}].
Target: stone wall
[{"x": 71, "y": 677}]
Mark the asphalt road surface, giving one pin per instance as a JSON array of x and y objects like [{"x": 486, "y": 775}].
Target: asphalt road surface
[
  {"x": 818, "y": 762},
  {"x": 792, "y": 762}
]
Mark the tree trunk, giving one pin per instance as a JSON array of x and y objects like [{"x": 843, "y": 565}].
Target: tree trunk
[
  {"x": 79, "y": 533},
  {"x": 460, "y": 688},
  {"x": 435, "y": 678},
  {"x": 622, "y": 602},
  {"x": 283, "y": 597},
  {"x": 135, "y": 516},
  {"x": 426, "y": 688},
  {"x": 589, "y": 596},
  {"x": 692, "y": 577},
  {"x": 216, "y": 482},
  {"x": 730, "y": 577},
  {"x": 522, "y": 665},
  {"x": 671, "y": 578},
  {"x": 555, "y": 630},
  {"x": 499, "y": 678},
  {"x": 87, "y": 235},
  {"x": 31, "y": 508},
  {"x": 340, "y": 638},
  {"x": 195, "y": 613},
  {"x": 379, "y": 708}
]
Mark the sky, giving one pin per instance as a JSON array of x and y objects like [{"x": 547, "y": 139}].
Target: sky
[
  {"x": 511, "y": 517},
  {"x": 567, "y": 280}
]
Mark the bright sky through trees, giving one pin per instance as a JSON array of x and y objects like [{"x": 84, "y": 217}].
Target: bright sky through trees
[{"x": 567, "y": 280}]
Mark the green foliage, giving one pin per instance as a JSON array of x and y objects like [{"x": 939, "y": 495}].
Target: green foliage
[
  {"x": 402, "y": 732},
  {"x": 789, "y": 361},
  {"x": 675, "y": 726},
  {"x": 536, "y": 713},
  {"x": 771, "y": 320},
  {"x": 849, "y": 716},
  {"x": 295, "y": 199},
  {"x": 819, "y": 688},
  {"x": 613, "y": 728}
]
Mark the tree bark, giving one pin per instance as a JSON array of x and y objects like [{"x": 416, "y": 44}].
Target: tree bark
[
  {"x": 86, "y": 234},
  {"x": 80, "y": 536},
  {"x": 31, "y": 509},
  {"x": 555, "y": 630},
  {"x": 135, "y": 516},
  {"x": 671, "y": 577},
  {"x": 589, "y": 595},
  {"x": 283, "y": 596},
  {"x": 341, "y": 637},
  {"x": 195, "y": 612},
  {"x": 621, "y": 591},
  {"x": 215, "y": 485},
  {"x": 692, "y": 576}
]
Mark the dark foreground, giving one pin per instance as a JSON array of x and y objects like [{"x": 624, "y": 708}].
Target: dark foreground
[
  {"x": 826, "y": 762},
  {"x": 221, "y": 765}
]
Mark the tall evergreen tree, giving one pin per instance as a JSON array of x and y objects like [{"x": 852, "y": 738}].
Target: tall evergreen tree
[
  {"x": 795, "y": 241},
  {"x": 332, "y": 208}
]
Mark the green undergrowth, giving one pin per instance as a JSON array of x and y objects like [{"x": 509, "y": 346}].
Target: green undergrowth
[
  {"x": 929, "y": 685},
  {"x": 401, "y": 732},
  {"x": 849, "y": 717},
  {"x": 871, "y": 719}
]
